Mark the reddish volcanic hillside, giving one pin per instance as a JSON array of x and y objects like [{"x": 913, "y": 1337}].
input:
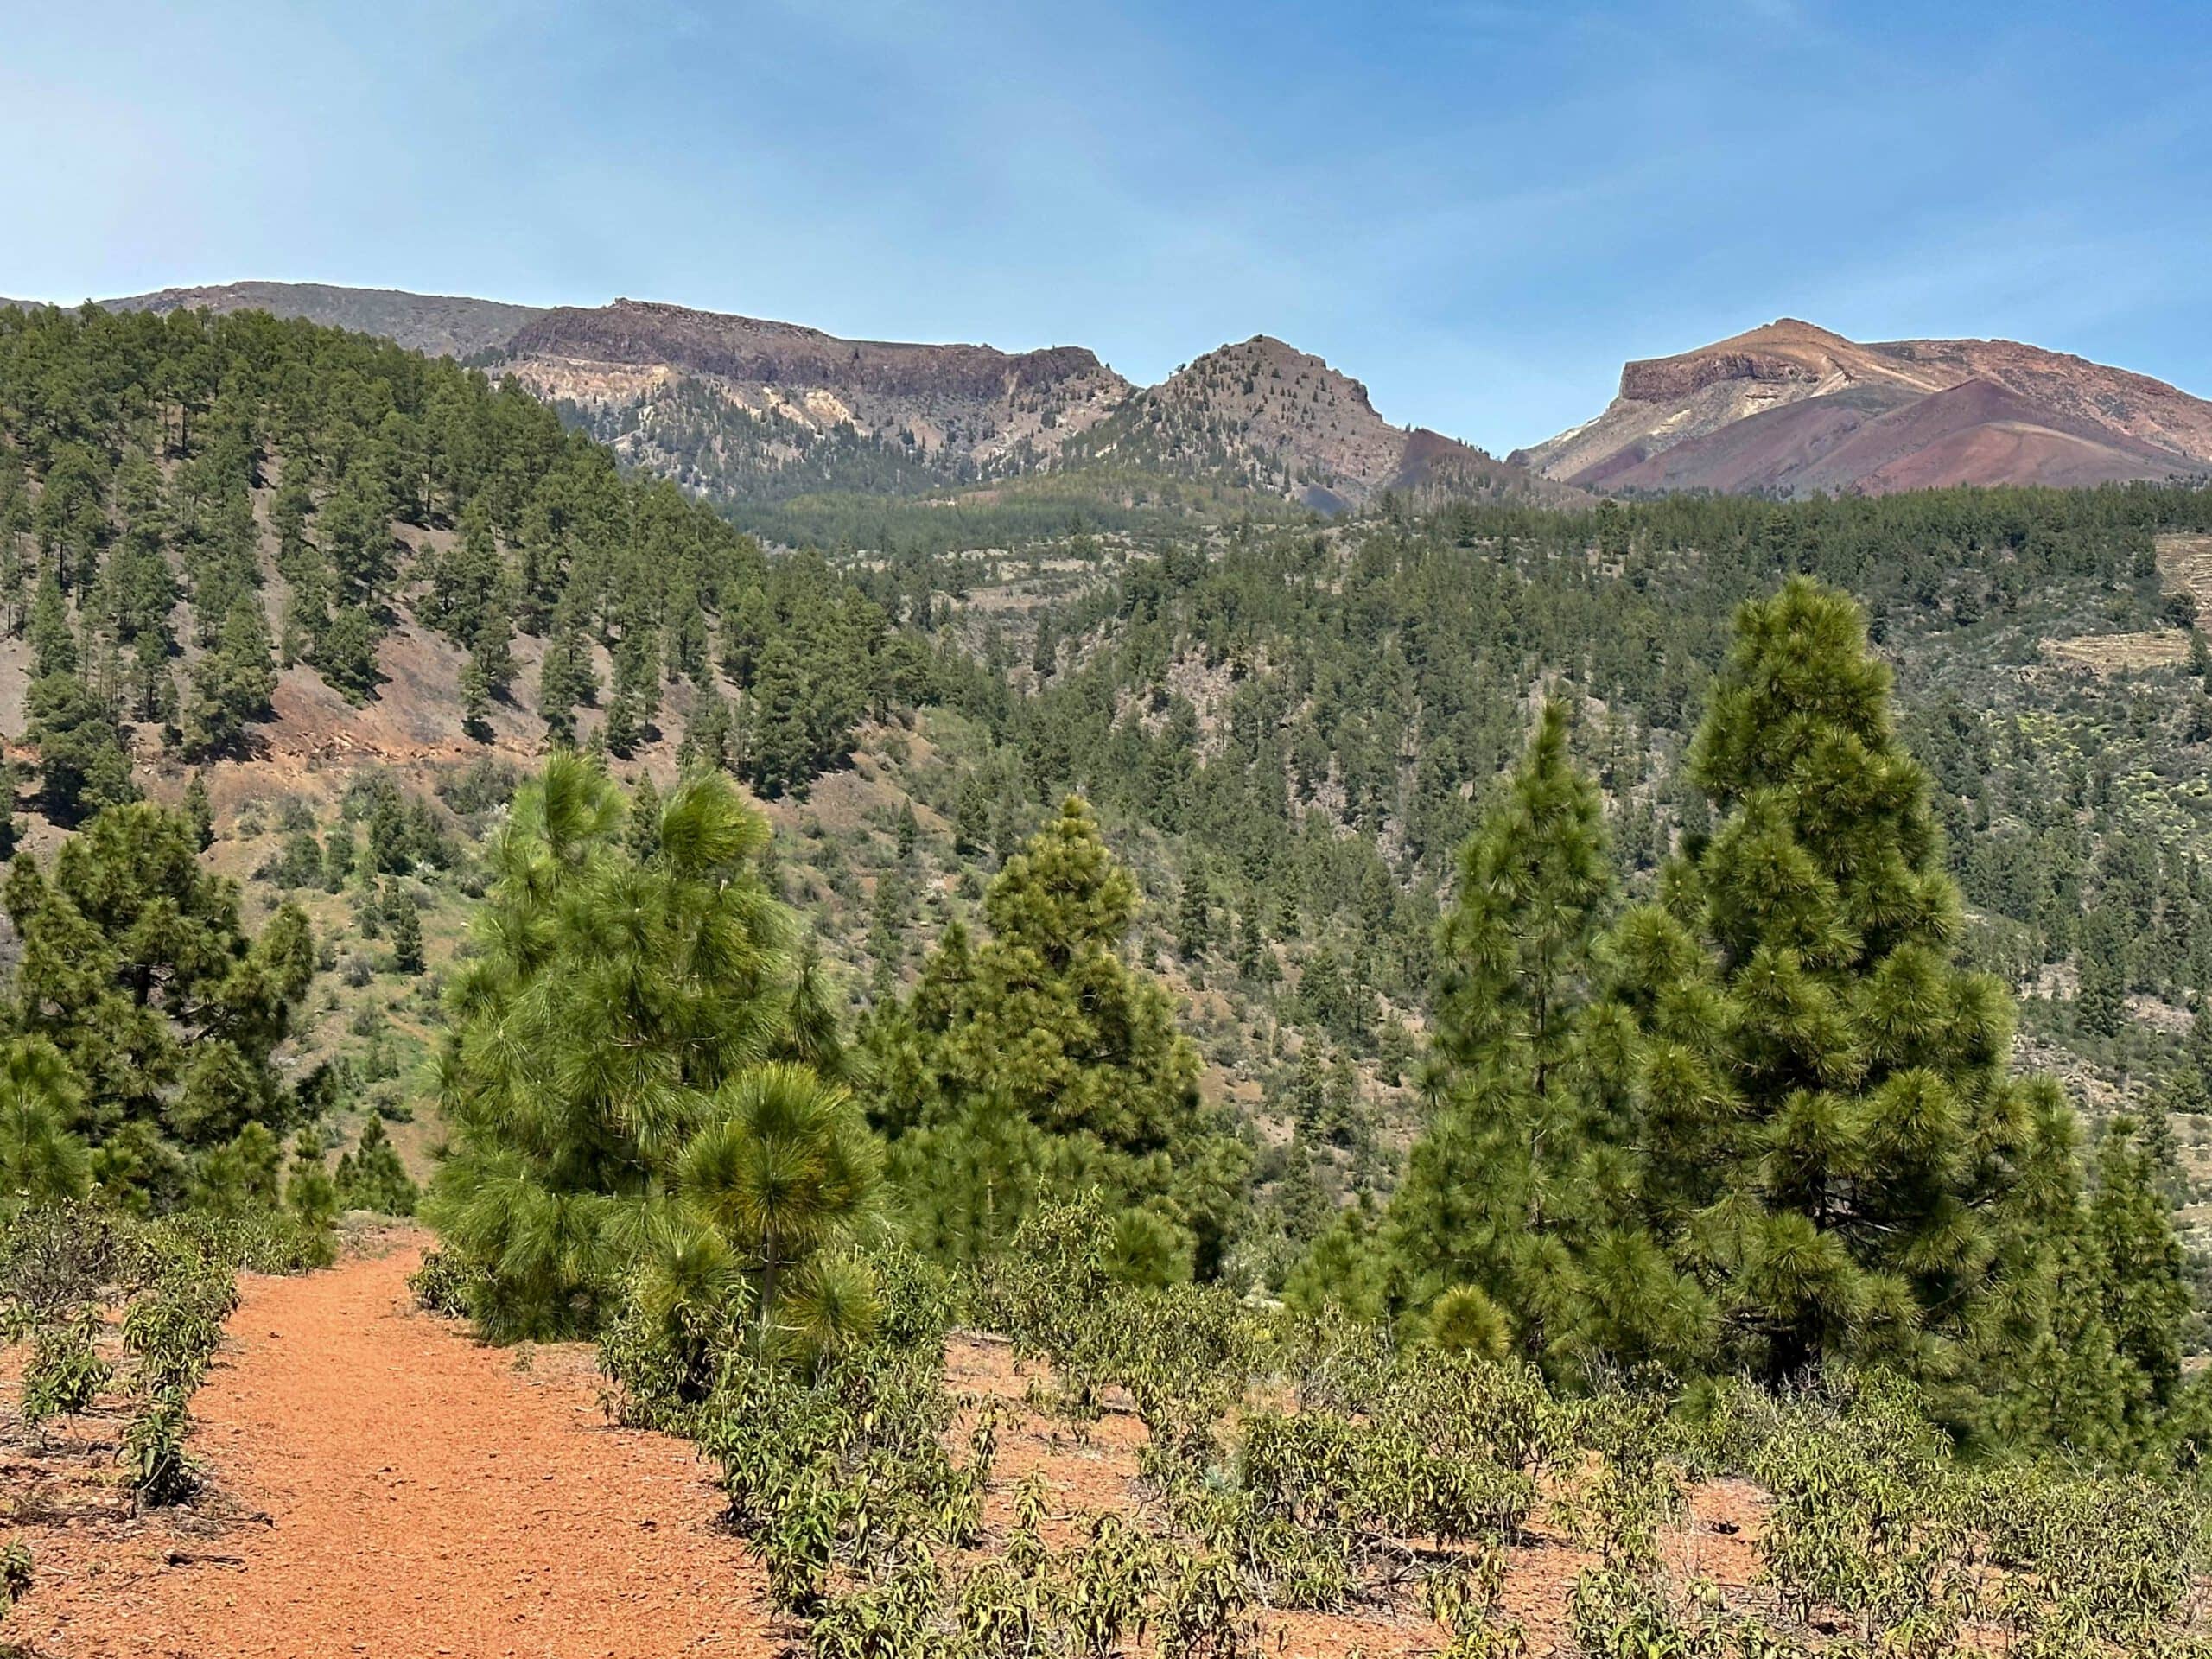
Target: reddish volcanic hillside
[{"x": 1791, "y": 409}]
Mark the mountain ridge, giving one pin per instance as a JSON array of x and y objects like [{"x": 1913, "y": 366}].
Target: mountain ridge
[
  {"x": 1287, "y": 423},
  {"x": 439, "y": 325},
  {"x": 775, "y": 394},
  {"x": 1791, "y": 408},
  {"x": 750, "y": 411}
]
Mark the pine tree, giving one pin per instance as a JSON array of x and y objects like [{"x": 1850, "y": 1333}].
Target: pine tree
[
  {"x": 338, "y": 857},
  {"x": 1040, "y": 1058},
  {"x": 2101, "y": 996},
  {"x": 240, "y": 1175},
  {"x": 404, "y": 923},
  {"x": 746, "y": 622},
  {"x": 1495, "y": 1199},
  {"x": 1349, "y": 1266},
  {"x": 1830, "y": 1145},
  {"x": 1516, "y": 945},
  {"x": 136, "y": 966},
  {"x": 1311, "y": 1108},
  {"x": 2143, "y": 1288},
  {"x": 1255, "y": 962},
  {"x": 642, "y": 837},
  {"x": 605, "y": 1074},
  {"x": 353, "y": 530},
  {"x": 309, "y": 1192},
  {"x": 41, "y": 1161},
  {"x": 886, "y": 936},
  {"x": 565, "y": 677},
  {"x": 637, "y": 674},
  {"x": 83, "y": 764},
  {"x": 971, "y": 817},
  {"x": 779, "y": 752},
  {"x": 371, "y": 1177},
  {"x": 783, "y": 1169},
  {"x": 1194, "y": 918},
  {"x": 465, "y": 582},
  {"x": 53, "y": 642},
  {"x": 200, "y": 811},
  {"x": 307, "y": 607},
  {"x": 475, "y": 702},
  {"x": 231, "y": 683},
  {"x": 346, "y": 655},
  {"x": 622, "y": 731}
]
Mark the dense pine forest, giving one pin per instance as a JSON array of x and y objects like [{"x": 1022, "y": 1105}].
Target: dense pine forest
[{"x": 1446, "y": 1016}]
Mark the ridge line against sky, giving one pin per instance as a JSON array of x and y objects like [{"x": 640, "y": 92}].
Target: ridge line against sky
[{"x": 1477, "y": 209}]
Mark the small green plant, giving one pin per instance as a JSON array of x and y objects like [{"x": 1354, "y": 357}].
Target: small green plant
[
  {"x": 443, "y": 1285},
  {"x": 66, "y": 1371},
  {"x": 15, "y": 1573},
  {"x": 153, "y": 1452}
]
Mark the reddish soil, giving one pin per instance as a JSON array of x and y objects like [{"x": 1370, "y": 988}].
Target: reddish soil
[
  {"x": 381, "y": 1483},
  {"x": 423, "y": 1495},
  {"x": 1096, "y": 1470}
]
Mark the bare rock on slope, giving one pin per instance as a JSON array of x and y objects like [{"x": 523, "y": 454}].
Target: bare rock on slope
[
  {"x": 1791, "y": 408},
  {"x": 1282, "y": 422},
  {"x": 971, "y": 404}
]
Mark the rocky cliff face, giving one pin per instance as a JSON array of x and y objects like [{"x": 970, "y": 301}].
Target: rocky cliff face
[
  {"x": 748, "y": 351},
  {"x": 738, "y": 406},
  {"x": 1659, "y": 379},
  {"x": 1791, "y": 409},
  {"x": 750, "y": 409}
]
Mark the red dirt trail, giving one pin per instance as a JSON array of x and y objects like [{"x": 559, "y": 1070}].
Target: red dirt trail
[
  {"x": 424, "y": 1496},
  {"x": 385, "y": 1485}
]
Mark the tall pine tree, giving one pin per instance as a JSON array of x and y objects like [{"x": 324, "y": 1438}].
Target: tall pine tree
[
  {"x": 1495, "y": 1195},
  {"x": 1040, "y": 1059},
  {"x": 628, "y": 1077},
  {"x": 1832, "y": 1149}
]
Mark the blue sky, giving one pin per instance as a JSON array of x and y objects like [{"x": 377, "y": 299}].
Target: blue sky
[{"x": 1478, "y": 206}]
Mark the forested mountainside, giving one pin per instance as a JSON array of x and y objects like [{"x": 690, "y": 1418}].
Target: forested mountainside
[
  {"x": 1702, "y": 983},
  {"x": 227, "y": 535},
  {"x": 807, "y": 437},
  {"x": 327, "y": 578}
]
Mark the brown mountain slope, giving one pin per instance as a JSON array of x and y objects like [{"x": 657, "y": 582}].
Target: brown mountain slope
[
  {"x": 2133, "y": 405},
  {"x": 783, "y": 388},
  {"x": 1876, "y": 439},
  {"x": 1984, "y": 433},
  {"x": 1282, "y": 422},
  {"x": 441, "y": 325},
  {"x": 1791, "y": 408}
]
